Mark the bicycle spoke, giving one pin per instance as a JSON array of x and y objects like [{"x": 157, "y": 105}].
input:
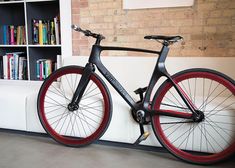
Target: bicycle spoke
[
  {"x": 91, "y": 96},
  {"x": 184, "y": 89},
  {"x": 62, "y": 94},
  {"x": 53, "y": 105},
  {"x": 176, "y": 98},
  {"x": 56, "y": 101},
  {"x": 209, "y": 95},
  {"x": 207, "y": 139},
  {"x": 215, "y": 97},
  {"x": 219, "y": 105},
  {"x": 85, "y": 120},
  {"x": 172, "y": 124},
  {"x": 165, "y": 104},
  {"x": 217, "y": 126},
  {"x": 88, "y": 107}
]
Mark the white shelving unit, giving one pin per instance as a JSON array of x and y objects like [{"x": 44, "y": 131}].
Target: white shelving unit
[
  {"x": 22, "y": 12},
  {"x": 18, "y": 97}
]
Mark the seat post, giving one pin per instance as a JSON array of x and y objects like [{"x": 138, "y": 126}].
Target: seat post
[{"x": 162, "y": 58}]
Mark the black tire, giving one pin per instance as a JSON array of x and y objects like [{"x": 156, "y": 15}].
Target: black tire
[
  {"x": 79, "y": 127},
  {"x": 209, "y": 141}
]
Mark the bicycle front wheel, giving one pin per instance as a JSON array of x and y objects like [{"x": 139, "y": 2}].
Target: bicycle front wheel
[
  {"x": 79, "y": 127},
  {"x": 206, "y": 142}
]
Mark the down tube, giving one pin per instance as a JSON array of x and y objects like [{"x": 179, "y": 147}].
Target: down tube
[{"x": 117, "y": 86}]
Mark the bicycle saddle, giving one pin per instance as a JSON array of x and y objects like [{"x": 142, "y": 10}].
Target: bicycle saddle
[{"x": 168, "y": 39}]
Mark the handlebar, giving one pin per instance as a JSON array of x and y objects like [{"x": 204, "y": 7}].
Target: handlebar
[{"x": 88, "y": 33}]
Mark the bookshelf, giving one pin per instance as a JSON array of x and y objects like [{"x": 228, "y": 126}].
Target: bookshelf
[{"x": 22, "y": 13}]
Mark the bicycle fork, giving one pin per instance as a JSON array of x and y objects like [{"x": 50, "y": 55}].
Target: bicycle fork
[{"x": 88, "y": 70}]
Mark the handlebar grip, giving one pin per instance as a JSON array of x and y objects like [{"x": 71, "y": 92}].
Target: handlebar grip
[
  {"x": 88, "y": 33},
  {"x": 76, "y": 28}
]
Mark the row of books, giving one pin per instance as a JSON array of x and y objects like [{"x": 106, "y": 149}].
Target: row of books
[
  {"x": 46, "y": 32},
  {"x": 13, "y": 66},
  {"x": 44, "y": 67},
  {"x": 12, "y": 35}
]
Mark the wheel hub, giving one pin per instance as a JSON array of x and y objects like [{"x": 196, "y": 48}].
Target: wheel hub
[
  {"x": 73, "y": 107},
  {"x": 199, "y": 116}
]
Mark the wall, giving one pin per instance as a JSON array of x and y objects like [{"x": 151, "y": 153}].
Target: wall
[
  {"x": 122, "y": 127},
  {"x": 208, "y": 27}
]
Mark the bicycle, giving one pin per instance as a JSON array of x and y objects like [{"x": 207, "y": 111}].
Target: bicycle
[{"x": 191, "y": 112}]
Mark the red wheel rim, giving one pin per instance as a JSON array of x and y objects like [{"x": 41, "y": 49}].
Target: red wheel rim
[
  {"x": 70, "y": 140},
  {"x": 165, "y": 141}
]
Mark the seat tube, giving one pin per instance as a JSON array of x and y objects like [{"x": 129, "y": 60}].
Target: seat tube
[{"x": 158, "y": 72}]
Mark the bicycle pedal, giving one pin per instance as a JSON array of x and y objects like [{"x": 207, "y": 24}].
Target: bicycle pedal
[{"x": 142, "y": 137}]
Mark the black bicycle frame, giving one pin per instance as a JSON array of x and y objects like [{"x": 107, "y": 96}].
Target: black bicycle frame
[{"x": 158, "y": 72}]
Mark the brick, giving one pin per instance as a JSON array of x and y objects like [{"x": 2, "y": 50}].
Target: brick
[
  {"x": 229, "y": 13},
  {"x": 208, "y": 27},
  {"x": 218, "y": 21},
  {"x": 215, "y": 13},
  {"x": 206, "y": 6},
  {"x": 191, "y": 30},
  {"x": 167, "y": 30}
]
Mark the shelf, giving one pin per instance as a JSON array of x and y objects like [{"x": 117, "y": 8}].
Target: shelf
[
  {"x": 39, "y": 0},
  {"x": 19, "y": 82},
  {"x": 31, "y": 45},
  {"x": 12, "y": 46},
  {"x": 22, "y": 13},
  {"x": 11, "y": 2},
  {"x": 22, "y": 1}
]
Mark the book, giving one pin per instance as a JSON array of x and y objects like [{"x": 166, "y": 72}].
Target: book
[
  {"x": 12, "y": 35},
  {"x": 44, "y": 29},
  {"x": 53, "y": 40},
  {"x": 58, "y": 61},
  {"x": 18, "y": 39},
  {"x": 1, "y": 34},
  {"x": 15, "y": 66},
  {"x": 48, "y": 31},
  {"x": 40, "y": 30},
  {"x": 5, "y": 35},
  {"x": 1, "y": 67},
  {"x": 35, "y": 31},
  {"x": 57, "y": 31},
  {"x": 5, "y": 67},
  {"x": 21, "y": 69}
]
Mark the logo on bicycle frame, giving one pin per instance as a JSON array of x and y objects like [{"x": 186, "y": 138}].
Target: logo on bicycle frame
[{"x": 115, "y": 83}]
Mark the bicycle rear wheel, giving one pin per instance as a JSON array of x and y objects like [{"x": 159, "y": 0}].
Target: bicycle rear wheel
[
  {"x": 79, "y": 127},
  {"x": 206, "y": 142}
]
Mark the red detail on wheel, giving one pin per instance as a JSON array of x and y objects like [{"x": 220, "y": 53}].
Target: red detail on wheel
[
  {"x": 188, "y": 156},
  {"x": 66, "y": 140}
]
